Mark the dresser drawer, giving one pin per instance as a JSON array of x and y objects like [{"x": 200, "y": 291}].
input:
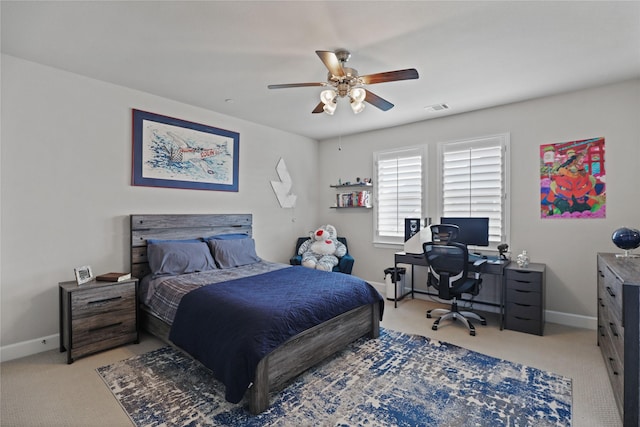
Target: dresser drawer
[
  {"x": 524, "y": 311},
  {"x": 519, "y": 323},
  {"x": 103, "y": 300},
  {"x": 525, "y": 297},
  {"x": 615, "y": 369},
  {"x": 611, "y": 292},
  {"x": 533, "y": 278}
]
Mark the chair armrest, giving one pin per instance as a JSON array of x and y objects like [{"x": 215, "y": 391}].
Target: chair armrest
[
  {"x": 296, "y": 260},
  {"x": 479, "y": 263},
  {"x": 346, "y": 264}
]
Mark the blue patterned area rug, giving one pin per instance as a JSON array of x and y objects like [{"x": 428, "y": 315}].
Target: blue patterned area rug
[{"x": 396, "y": 380}]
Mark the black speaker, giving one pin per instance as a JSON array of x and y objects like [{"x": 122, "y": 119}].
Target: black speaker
[{"x": 411, "y": 227}]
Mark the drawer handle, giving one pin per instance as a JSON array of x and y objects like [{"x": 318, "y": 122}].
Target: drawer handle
[
  {"x": 100, "y": 301},
  {"x": 614, "y": 331},
  {"x": 524, "y": 291},
  {"x": 105, "y": 327},
  {"x": 521, "y": 318},
  {"x": 611, "y": 292},
  {"x": 612, "y": 362},
  {"x": 522, "y": 305}
]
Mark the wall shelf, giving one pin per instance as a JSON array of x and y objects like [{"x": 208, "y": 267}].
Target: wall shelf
[{"x": 359, "y": 196}]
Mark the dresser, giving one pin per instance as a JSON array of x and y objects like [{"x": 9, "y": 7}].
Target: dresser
[
  {"x": 524, "y": 298},
  {"x": 619, "y": 330},
  {"x": 97, "y": 316}
]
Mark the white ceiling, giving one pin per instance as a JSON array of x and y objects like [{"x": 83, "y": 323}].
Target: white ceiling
[{"x": 222, "y": 55}]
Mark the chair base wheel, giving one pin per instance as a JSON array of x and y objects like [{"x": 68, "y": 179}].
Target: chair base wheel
[
  {"x": 434, "y": 327},
  {"x": 483, "y": 323},
  {"x": 472, "y": 333},
  {"x": 428, "y": 315}
]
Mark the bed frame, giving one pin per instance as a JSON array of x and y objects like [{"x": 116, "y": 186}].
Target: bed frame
[{"x": 294, "y": 356}]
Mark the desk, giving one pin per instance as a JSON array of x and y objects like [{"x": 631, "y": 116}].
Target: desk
[{"x": 495, "y": 268}]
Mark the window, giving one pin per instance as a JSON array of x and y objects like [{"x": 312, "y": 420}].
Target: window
[
  {"x": 473, "y": 182},
  {"x": 399, "y": 187}
]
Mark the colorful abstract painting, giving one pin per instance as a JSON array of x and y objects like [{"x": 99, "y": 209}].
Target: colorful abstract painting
[
  {"x": 169, "y": 152},
  {"x": 573, "y": 179}
]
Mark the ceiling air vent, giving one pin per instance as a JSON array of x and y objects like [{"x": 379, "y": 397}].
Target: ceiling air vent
[{"x": 437, "y": 107}]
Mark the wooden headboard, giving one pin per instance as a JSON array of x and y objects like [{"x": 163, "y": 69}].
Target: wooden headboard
[{"x": 186, "y": 226}]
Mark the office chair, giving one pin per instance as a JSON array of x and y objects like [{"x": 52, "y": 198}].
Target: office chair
[
  {"x": 448, "y": 273},
  {"x": 345, "y": 264}
]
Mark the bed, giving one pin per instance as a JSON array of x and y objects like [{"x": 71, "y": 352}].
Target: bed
[{"x": 292, "y": 356}]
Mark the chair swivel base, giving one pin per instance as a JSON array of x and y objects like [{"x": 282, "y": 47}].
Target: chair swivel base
[{"x": 454, "y": 314}]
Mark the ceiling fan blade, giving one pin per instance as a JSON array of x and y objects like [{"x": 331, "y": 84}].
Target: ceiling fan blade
[
  {"x": 376, "y": 101},
  {"x": 331, "y": 61},
  {"x": 286, "y": 85},
  {"x": 319, "y": 108},
  {"x": 390, "y": 76}
]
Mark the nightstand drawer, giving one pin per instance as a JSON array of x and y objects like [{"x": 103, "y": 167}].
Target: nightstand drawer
[
  {"x": 103, "y": 300},
  {"x": 101, "y": 328},
  {"x": 97, "y": 316}
]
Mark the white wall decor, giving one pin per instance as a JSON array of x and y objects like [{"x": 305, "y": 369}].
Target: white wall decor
[{"x": 282, "y": 188}]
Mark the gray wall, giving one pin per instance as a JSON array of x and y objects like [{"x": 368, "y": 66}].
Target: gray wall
[{"x": 568, "y": 247}]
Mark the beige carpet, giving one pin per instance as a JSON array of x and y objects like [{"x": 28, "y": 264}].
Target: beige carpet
[{"x": 42, "y": 390}]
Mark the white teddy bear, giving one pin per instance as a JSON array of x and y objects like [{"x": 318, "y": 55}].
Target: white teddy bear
[{"x": 322, "y": 250}]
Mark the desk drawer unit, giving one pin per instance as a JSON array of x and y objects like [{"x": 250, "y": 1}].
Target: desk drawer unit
[
  {"x": 97, "y": 316},
  {"x": 619, "y": 329},
  {"x": 524, "y": 298}
]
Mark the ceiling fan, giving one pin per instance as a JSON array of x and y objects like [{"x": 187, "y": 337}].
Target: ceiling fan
[{"x": 344, "y": 81}]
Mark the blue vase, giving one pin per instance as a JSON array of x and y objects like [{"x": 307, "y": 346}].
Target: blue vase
[{"x": 626, "y": 238}]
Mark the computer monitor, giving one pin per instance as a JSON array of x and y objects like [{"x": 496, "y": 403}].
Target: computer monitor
[{"x": 473, "y": 231}]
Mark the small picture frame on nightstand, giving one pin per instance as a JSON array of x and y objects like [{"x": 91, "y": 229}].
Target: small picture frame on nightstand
[{"x": 83, "y": 274}]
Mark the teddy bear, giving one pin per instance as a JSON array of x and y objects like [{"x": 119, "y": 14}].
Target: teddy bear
[{"x": 323, "y": 249}]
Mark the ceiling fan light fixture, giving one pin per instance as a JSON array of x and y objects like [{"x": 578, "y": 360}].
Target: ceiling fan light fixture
[
  {"x": 357, "y": 106},
  {"x": 328, "y": 96},
  {"x": 358, "y": 94},
  {"x": 330, "y": 108}
]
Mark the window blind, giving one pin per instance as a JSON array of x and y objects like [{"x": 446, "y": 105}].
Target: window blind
[
  {"x": 398, "y": 191},
  {"x": 473, "y": 182}
]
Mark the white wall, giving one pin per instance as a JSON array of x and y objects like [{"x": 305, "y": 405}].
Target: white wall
[
  {"x": 66, "y": 192},
  {"x": 567, "y": 247}
]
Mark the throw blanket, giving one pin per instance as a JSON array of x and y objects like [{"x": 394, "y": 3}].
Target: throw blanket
[{"x": 229, "y": 327}]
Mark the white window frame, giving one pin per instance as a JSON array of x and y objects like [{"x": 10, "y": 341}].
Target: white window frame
[
  {"x": 503, "y": 140},
  {"x": 382, "y": 240}
]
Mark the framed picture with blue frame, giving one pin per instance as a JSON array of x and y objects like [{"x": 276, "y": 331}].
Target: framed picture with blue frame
[{"x": 174, "y": 153}]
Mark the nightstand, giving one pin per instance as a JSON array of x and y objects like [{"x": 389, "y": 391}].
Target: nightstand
[
  {"x": 524, "y": 298},
  {"x": 97, "y": 316}
]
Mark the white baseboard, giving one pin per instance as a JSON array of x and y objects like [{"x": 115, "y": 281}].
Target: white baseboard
[
  {"x": 567, "y": 319},
  {"x": 27, "y": 348},
  {"x": 38, "y": 345}
]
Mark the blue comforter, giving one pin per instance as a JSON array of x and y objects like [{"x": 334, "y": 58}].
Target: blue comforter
[{"x": 229, "y": 327}]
